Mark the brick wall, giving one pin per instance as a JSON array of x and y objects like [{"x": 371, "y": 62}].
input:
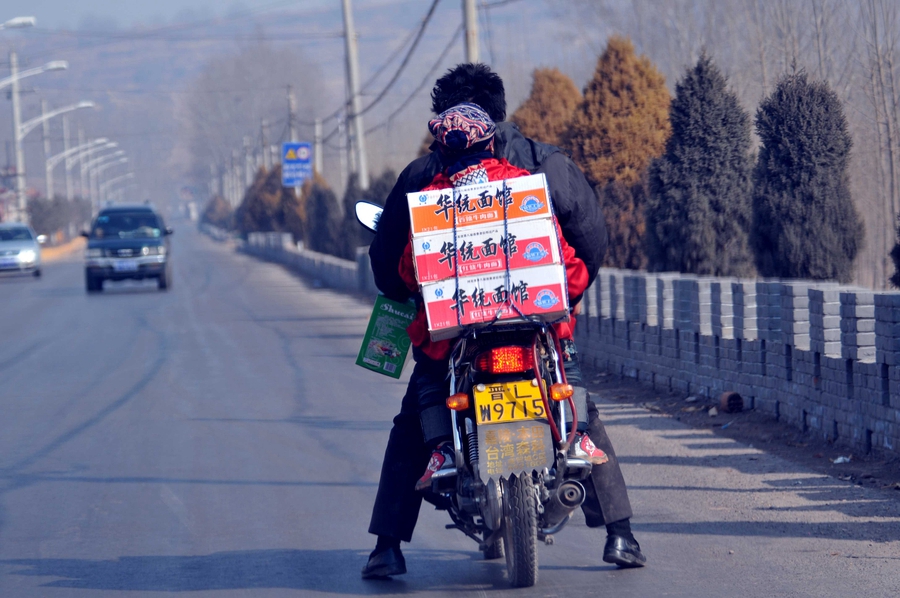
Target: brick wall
[
  {"x": 822, "y": 357},
  {"x": 819, "y": 356}
]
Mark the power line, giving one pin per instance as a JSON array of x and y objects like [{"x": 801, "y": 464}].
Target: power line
[
  {"x": 406, "y": 58},
  {"x": 418, "y": 36},
  {"x": 424, "y": 81}
]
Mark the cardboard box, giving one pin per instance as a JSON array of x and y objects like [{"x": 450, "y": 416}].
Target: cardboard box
[
  {"x": 482, "y": 250},
  {"x": 434, "y": 211},
  {"x": 539, "y": 292},
  {"x": 386, "y": 343}
]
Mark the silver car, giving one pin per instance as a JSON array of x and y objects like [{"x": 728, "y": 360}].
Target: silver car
[{"x": 20, "y": 248}]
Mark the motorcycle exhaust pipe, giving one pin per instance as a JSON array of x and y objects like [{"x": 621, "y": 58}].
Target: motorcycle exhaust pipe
[{"x": 567, "y": 498}]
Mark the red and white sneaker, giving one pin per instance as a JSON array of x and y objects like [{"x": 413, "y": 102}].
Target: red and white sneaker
[
  {"x": 441, "y": 458},
  {"x": 583, "y": 448}
]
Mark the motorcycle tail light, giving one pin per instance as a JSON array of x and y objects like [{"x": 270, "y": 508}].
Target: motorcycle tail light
[
  {"x": 505, "y": 360},
  {"x": 561, "y": 392},
  {"x": 458, "y": 402}
]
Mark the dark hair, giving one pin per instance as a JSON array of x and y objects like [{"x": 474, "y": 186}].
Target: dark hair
[{"x": 470, "y": 82}]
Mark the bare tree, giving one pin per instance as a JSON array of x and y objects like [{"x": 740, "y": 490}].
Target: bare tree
[{"x": 232, "y": 95}]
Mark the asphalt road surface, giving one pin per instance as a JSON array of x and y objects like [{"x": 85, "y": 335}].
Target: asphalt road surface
[{"x": 217, "y": 439}]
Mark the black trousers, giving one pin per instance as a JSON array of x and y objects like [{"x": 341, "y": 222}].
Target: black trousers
[{"x": 397, "y": 503}]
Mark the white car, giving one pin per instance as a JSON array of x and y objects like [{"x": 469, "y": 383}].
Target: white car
[{"x": 20, "y": 248}]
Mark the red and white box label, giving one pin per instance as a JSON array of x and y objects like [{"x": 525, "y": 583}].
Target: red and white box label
[
  {"x": 486, "y": 249},
  {"x": 520, "y": 198},
  {"x": 538, "y": 292}
]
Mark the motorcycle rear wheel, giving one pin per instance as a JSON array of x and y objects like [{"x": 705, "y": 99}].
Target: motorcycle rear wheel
[{"x": 520, "y": 531}]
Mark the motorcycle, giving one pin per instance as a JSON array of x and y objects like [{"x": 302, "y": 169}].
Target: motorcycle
[{"x": 511, "y": 408}]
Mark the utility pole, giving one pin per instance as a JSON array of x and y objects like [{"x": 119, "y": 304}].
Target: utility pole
[
  {"x": 292, "y": 120},
  {"x": 45, "y": 132},
  {"x": 70, "y": 194},
  {"x": 236, "y": 176},
  {"x": 355, "y": 102},
  {"x": 471, "y": 20},
  {"x": 292, "y": 128},
  {"x": 317, "y": 148},
  {"x": 17, "y": 137},
  {"x": 81, "y": 171},
  {"x": 342, "y": 149},
  {"x": 248, "y": 167},
  {"x": 263, "y": 145},
  {"x": 213, "y": 179}
]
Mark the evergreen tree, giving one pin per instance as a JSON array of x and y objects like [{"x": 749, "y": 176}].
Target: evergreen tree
[
  {"x": 623, "y": 206},
  {"x": 323, "y": 220},
  {"x": 698, "y": 209},
  {"x": 349, "y": 228},
  {"x": 353, "y": 234},
  {"x": 805, "y": 224},
  {"x": 546, "y": 114},
  {"x": 895, "y": 256},
  {"x": 260, "y": 210},
  {"x": 218, "y": 213},
  {"x": 620, "y": 126},
  {"x": 293, "y": 211}
]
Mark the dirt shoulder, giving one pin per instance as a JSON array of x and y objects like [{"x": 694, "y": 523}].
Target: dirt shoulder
[
  {"x": 59, "y": 252},
  {"x": 757, "y": 429}
]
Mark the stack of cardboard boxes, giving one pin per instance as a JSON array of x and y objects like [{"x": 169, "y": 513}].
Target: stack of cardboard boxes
[{"x": 463, "y": 247}]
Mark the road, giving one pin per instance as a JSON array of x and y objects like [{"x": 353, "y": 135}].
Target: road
[{"x": 217, "y": 439}]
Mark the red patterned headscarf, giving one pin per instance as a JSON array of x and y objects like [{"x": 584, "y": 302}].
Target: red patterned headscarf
[
  {"x": 463, "y": 127},
  {"x": 465, "y": 136}
]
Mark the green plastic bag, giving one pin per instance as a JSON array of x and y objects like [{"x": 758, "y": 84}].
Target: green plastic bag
[{"x": 386, "y": 344}]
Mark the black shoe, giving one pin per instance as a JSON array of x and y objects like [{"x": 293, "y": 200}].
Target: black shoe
[
  {"x": 622, "y": 552},
  {"x": 385, "y": 563}
]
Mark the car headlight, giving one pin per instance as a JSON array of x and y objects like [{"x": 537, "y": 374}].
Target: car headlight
[
  {"x": 156, "y": 250},
  {"x": 27, "y": 255},
  {"x": 94, "y": 253}
]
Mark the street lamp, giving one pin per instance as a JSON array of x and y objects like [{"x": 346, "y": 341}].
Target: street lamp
[
  {"x": 105, "y": 187},
  {"x": 96, "y": 168},
  {"x": 52, "y": 161},
  {"x": 90, "y": 164},
  {"x": 18, "y": 23},
  {"x": 27, "y": 127},
  {"x": 13, "y": 79},
  {"x": 81, "y": 158}
]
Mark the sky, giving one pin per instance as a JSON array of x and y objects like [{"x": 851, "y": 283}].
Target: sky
[
  {"x": 88, "y": 14},
  {"x": 138, "y": 63}
]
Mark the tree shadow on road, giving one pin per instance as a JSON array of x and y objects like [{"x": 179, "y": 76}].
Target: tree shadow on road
[{"x": 335, "y": 571}]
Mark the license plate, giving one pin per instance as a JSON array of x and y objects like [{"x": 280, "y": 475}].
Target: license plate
[
  {"x": 508, "y": 402},
  {"x": 125, "y": 265},
  {"x": 9, "y": 263}
]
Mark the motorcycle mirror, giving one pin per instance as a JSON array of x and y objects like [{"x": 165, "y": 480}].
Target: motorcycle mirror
[{"x": 368, "y": 214}]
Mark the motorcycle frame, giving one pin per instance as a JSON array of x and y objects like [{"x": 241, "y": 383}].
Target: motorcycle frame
[{"x": 466, "y": 472}]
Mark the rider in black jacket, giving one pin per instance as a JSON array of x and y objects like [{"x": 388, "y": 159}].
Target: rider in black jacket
[{"x": 581, "y": 220}]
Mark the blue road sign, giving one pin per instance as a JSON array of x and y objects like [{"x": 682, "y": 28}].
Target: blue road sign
[{"x": 296, "y": 163}]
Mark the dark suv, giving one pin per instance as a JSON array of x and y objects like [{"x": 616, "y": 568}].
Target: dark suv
[{"x": 127, "y": 242}]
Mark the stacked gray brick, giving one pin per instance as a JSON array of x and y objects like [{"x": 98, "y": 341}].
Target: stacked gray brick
[
  {"x": 707, "y": 373},
  {"x": 825, "y": 321},
  {"x": 746, "y": 343},
  {"x": 783, "y": 314},
  {"x": 858, "y": 326},
  {"x": 768, "y": 323},
  {"x": 887, "y": 349},
  {"x": 665, "y": 302},
  {"x": 887, "y": 361}
]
